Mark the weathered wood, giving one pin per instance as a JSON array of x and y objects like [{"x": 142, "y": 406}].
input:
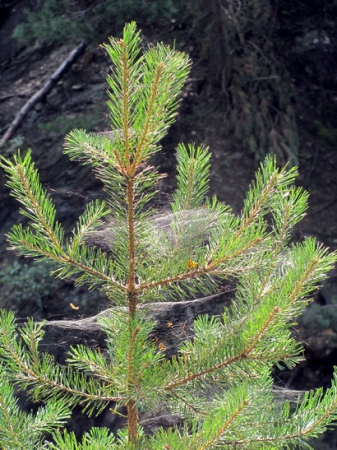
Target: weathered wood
[
  {"x": 174, "y": 321},
  {"x": 71, "y": 58}
]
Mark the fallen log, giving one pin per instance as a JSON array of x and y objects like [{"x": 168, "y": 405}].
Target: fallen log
[
  {"x": 71, "y": 58},
  {"x": 174, "y": 322}
]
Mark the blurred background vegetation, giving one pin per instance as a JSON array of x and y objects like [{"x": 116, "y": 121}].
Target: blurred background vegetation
[
  {"x": 250, "y": 52},
  {"x": 236, "y": 45}
]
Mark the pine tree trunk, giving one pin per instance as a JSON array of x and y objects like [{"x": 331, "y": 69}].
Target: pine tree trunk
[{"x": 132, "y": 421}]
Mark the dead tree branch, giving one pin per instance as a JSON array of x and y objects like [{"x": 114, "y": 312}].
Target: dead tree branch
[{"x": 71, "y": 58}]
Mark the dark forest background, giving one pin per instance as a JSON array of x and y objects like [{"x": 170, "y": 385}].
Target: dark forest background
[{"x": 264, "y": 80}]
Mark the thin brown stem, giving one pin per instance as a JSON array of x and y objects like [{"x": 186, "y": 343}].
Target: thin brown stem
[
  {"x": 132, "y": 301},
  {"x": 131, "y": 405},
  {"x": 131, "y": 285},
  {"x": 132, "y": 421}
]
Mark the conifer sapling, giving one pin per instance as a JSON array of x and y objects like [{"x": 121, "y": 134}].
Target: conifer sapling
[{"x": 219, "y": 383}]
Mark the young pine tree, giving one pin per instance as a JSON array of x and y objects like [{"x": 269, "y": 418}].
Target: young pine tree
[{"x": 219, "y": 383}]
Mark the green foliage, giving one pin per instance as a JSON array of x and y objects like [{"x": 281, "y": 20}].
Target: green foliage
[
  {"x": 61, "y": 125},
  {"x": 28, "y": 281},
  {"x": 327, "y": 134},
  {"x": 49, "y": 24},
  {"x": 320, "y": 317},
  {"x": 96, "y": 438},
  {"x": 12, "y": 145},
  {"x": 147, "y": 12},
  {"x": 219, "y": 383},
  {"x": 22, "y": 431},
  {"x": 57, "y": 21}
]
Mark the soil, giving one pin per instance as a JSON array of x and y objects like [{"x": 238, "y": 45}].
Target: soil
[{"x": 78, "y": 100}]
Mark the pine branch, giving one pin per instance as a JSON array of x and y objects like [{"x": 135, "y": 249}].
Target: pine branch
[
  {"x": 42, "y": 375},
  {"x": 95, "y": 438},
  {"x": 24, "y": 431},
  {"x": 27, "y": 189},
  {"x": 261, "y": 193},
  {"x": 192, "y": 177}
]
